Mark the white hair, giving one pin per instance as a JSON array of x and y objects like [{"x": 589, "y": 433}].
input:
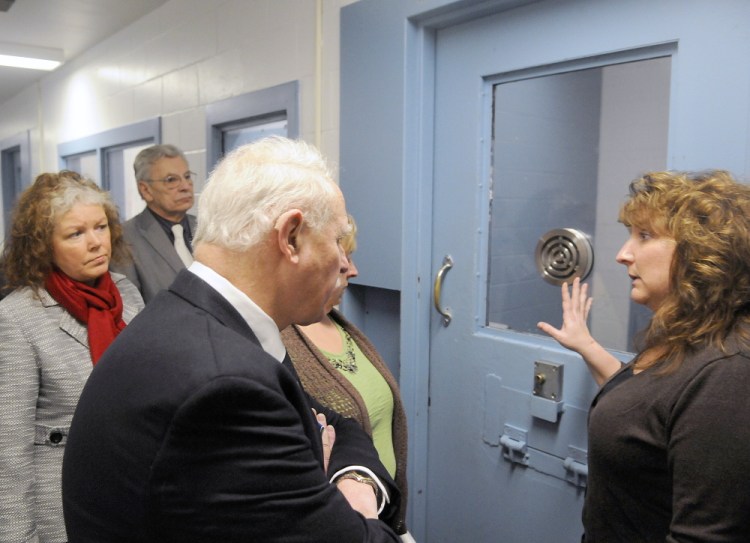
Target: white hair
[{"x": 254, "y": 184}]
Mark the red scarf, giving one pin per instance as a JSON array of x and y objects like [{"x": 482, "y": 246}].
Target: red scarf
[{"x": 98, "y": 307}]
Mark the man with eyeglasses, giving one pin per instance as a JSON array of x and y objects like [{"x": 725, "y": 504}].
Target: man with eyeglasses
[{"x": 160, "y": 237}]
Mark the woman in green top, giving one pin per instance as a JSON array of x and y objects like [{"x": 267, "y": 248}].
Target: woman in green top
[{"x": 341, "y": 368}]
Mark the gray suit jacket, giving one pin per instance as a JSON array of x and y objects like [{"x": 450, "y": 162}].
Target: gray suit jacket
[
  {"x": 155, "y": 261},
  {"x": 44, "y": 363}
]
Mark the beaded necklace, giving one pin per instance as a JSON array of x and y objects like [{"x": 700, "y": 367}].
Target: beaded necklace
[{"x": 350, "y": 362}]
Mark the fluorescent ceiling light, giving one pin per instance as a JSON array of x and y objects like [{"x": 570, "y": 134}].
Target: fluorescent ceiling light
[
  {"x": 26, "y": 56},
  {"x": 27, "y": 62}
]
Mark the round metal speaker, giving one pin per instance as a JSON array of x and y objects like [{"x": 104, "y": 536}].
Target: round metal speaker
[{"x": 564, "y": 254}]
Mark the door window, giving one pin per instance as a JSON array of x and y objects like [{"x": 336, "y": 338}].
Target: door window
[
  {"x": 86, "y": 164},
  {"x": 107, "y": 159},
  {"x": 15, "y": 173},
  {"x": 118, "y": 164},
  {"x": 565, "y": 147},
  {"x": 255, "y": 129},
  {"x": 238, "y": 120}
]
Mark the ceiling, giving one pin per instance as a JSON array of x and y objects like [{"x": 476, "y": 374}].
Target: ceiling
[{"x": 70, "y": 25}]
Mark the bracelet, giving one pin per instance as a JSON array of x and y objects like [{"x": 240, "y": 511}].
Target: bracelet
[{"x": 369, "y": 481}]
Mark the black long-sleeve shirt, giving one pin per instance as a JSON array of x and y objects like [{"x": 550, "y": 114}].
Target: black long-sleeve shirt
[{"x": 669, "y": 455}]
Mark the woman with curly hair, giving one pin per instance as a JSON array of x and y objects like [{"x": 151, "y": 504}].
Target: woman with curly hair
[
  {"x": 63, "y": 311},
  {"x": 669, "y": 442}
]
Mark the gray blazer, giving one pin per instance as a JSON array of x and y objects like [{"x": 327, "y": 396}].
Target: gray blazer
[
  {"x": 155, "y": 261},
  {"x": 44, "y": 363}
]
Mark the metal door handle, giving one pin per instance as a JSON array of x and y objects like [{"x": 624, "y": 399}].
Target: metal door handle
[{"x": 447, "y": 265}]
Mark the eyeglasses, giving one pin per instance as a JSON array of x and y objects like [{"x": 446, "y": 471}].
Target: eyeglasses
[{"x": 172, "y": 181}]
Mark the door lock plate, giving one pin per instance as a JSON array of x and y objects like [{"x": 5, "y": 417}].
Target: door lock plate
[{"x": 548, "y": 378}]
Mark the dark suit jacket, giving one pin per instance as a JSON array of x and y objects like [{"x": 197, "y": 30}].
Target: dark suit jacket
[
  {"x": 188, "y": 431},
  {"x": 155, "y": 260}
]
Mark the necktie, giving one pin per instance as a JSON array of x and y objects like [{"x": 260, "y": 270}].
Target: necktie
[{"x": 179, "y": 244}]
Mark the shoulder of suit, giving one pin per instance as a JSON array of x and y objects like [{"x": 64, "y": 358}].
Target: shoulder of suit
[
  {"x": 131, "y": 226},
  {"x": 126, "y": 287},
  {"x": 135, "y": 218},
  {"x": 15, "y": 296},
  {"x": 24, "y": 300},
  {"x": 117, "y": 278}
]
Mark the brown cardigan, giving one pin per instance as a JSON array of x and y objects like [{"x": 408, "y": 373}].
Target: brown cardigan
[{"x": 324, "y": 382}]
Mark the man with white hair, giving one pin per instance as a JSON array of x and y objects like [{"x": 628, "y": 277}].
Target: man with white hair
[{"x": 193, "y": 426}]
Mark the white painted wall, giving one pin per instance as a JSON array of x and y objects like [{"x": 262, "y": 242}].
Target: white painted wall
[
  {"x": 174, "y": 61},
  {"x": 634, "y": 140}
]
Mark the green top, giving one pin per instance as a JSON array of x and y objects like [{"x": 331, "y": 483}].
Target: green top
[{"x": 357, "y": 368}]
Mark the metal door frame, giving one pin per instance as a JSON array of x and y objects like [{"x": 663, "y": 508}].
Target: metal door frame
[
  {"x": 417, "y": 258},
  {"x": 420, "y": 49}
]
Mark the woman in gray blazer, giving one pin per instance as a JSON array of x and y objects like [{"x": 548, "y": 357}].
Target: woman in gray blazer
[{"x": 63, "y": 309}]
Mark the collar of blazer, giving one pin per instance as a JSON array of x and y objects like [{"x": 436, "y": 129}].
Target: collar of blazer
[
  {"x": 68, "y": 322},
  {"x": 153, "y": 234},
  {"x": 197, "y": 292}
]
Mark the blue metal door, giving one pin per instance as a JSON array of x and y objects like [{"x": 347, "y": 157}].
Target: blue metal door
[
  {"x": 435, "y": 162},
  {"x": 529, "y": 137}
]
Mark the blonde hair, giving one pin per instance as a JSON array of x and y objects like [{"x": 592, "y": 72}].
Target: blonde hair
[{"x": 349, "y": 241}]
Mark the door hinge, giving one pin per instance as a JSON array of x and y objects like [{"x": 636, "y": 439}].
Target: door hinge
[
  {"x": 513, "y": 442},
  {"x": 576, "y": 467}
]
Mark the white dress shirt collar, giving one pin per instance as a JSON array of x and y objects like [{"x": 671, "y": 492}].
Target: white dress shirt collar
[{"x": 260, "y": 323}]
